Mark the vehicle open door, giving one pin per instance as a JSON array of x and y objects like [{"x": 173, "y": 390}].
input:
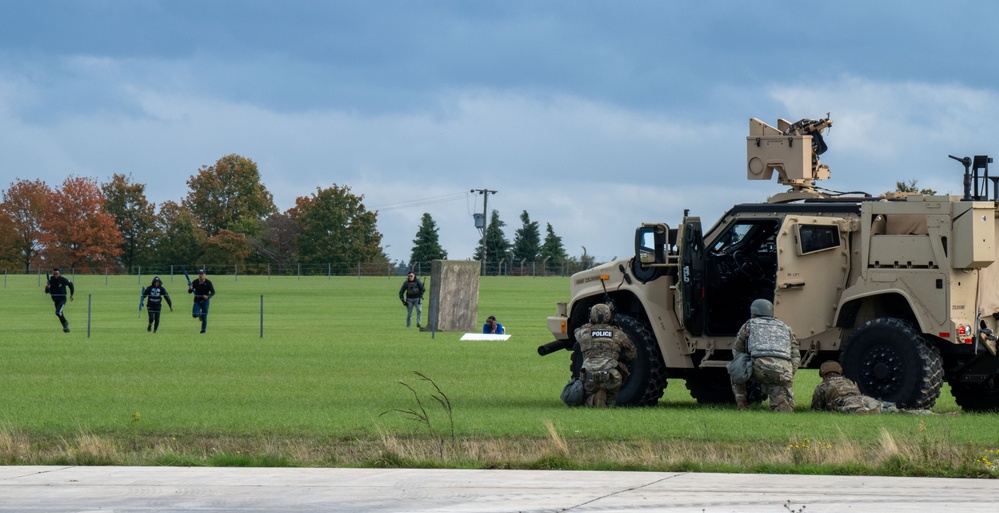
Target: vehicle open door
[
  {"x": 690, "y": 243},
  {"x": 814, "y": 262}
]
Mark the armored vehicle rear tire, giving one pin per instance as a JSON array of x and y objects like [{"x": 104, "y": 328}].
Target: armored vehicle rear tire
[
  {"x": 890, "y": 359},
  {"x": 981, "y": 397},
  {"x": 647, "y": 380}
]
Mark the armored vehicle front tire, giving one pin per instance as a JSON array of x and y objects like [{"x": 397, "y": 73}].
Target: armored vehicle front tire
[
  {"x": 647, "y": 378},
  {"x": 890, "y": 359}
]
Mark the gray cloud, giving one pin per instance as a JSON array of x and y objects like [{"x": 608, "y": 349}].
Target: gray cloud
[{"x": 592, "y": 117}]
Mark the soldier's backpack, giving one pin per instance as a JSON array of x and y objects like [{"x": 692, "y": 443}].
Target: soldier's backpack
[
  {"x": 572, "y": 394},
  {"x": 740, "y": 368}
]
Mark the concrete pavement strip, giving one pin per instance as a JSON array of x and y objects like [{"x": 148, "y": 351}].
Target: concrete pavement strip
[{"x": 30, "y": 489}]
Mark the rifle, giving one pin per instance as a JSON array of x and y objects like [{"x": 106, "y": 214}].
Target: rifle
[
  {"x": 607, "y": 299},
  {"x": 142, "y": 296}
]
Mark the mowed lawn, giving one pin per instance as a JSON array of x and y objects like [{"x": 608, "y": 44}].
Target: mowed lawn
[{"x": 330, "y": 362}]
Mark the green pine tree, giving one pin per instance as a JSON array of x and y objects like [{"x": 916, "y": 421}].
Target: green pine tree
[
  {"x": 552, "y": 251},
  {"x": 426, "y": 245},
  {"x": 527, "y": 240}
]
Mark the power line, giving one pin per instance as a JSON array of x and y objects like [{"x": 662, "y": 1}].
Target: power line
[{"x": 420, "y": 202}]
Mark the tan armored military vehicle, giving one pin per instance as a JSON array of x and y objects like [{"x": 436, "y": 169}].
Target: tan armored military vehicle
[{"x": 903, "y": 291}]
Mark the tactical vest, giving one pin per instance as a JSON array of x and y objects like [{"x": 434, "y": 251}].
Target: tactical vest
[
  {"x": 768, "y": 337},
  {"x": 841, "y": 388},
  {"x": 598, "y": 347},
  {"x": 843, "y": 395}
]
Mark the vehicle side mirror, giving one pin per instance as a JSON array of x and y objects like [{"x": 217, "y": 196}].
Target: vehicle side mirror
[{"x": 650, "y": 243}]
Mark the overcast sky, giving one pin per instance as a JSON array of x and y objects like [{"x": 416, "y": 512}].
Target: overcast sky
[{"x": 593, "y": 116}]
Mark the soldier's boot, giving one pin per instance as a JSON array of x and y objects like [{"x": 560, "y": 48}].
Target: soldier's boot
[
  {"x": 600, "y": 399},
  {"x": 781, "y": 404},
  {"x": 611, "y": 398},
  {"x": 739, "y": 391}
]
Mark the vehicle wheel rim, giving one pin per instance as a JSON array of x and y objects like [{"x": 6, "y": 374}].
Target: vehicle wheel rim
[{"x": 882, "y": 370}]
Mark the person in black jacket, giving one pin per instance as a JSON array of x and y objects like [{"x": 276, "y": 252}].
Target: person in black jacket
[
  {"x": 56, "y": 287},
  {"x": 155, "y": 294},
  {"x": 203, "y": 291},
  {"x": 411, "y": 295}
]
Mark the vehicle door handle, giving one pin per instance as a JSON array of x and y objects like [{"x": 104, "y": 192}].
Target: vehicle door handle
[{"x": 796, "y": 285}]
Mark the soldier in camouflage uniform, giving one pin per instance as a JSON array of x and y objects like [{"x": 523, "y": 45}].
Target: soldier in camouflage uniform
[
  {"x": 840, "y": 394},
  {"x": 605, "y": 349},
  {"x": 775, "y": 354}
]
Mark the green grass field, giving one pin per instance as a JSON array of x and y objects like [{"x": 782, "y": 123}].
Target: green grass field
[{"x": 322, "y": 387}]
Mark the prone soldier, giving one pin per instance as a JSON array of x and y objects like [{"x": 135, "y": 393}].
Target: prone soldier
[{"x": 840, "y": 394}]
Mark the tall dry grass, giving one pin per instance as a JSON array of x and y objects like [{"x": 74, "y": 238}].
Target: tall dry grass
[{"x": 889, "y": 455}]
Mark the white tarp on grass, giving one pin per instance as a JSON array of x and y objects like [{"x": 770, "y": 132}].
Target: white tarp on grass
[{"x": 483, "y": 336}]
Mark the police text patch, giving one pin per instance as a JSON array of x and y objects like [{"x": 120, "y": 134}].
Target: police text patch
[{"x": 602, "y": 334}]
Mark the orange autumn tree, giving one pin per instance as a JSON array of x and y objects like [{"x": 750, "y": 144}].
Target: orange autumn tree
[
  {"x": 8, "y": 242},
  {"x": 78, "y": 231},
  {"x": 227, "y": 248},
  {"x": 25, "y": 202}
]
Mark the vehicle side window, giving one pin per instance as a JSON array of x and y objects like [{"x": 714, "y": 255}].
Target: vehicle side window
[{"x": 813, "y": 238}]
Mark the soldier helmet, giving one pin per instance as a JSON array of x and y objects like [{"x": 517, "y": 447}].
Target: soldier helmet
[
  {"x": 830, "y": 367},
  {"x": 762, "y": 307},
  {"x": 600, "y": 313}
]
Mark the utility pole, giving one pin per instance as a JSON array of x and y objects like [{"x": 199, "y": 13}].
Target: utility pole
[{"x": 485, "y": 222}]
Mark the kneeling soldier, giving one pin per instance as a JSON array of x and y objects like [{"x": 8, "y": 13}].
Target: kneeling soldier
[{"x": 605, "y": 349}]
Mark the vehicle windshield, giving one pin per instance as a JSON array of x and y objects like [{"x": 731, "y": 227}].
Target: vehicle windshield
[{"x": 732, "y": 237}]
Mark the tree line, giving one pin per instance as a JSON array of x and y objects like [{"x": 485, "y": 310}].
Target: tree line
[
  {"x": 500, "y": 253},
  {"x": 228, "y": 218}
]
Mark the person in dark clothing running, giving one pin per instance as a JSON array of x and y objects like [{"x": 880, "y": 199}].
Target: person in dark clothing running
[
  {"x": 411, "y": 295},
  {"x": 56, "y": 287},
  {"x": 155, "y": 294},
  {"x": 203, "y": 291}
]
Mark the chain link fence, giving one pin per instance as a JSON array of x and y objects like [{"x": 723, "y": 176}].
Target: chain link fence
[{"x": 389, "y": 269}]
